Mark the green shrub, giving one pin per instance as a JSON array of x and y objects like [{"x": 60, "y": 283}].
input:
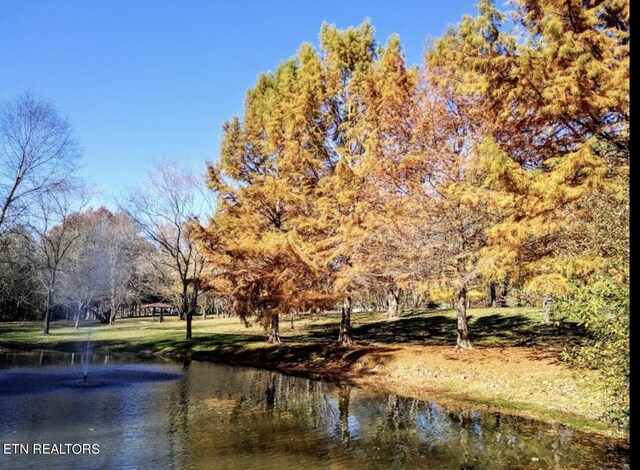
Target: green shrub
[{"x": 603, "y": 308}]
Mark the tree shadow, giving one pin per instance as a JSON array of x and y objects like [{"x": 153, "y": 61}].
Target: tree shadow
[
  {"x": 178, "y": 347},
  {"x": 502, "y": 330},
  {"x": 16, "y": 328},
  {"x": 519, "y": 330}
]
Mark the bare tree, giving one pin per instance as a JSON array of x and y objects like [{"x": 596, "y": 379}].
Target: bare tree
[
  {"x": 171, "y": 200},
  {"x": 38, "y": 155},
  {"x": 55, "y": 222},
  {"x": 19, "y": 286}
]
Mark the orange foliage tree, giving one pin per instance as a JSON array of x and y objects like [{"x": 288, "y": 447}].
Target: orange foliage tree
[{"x": 352, "y": 173}]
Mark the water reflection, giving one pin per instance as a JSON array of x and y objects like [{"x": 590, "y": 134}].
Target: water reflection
[{"x": 231, "y": 417}]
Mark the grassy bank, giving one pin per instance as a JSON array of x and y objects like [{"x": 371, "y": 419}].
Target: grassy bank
[{"x": 514, "y": 367}]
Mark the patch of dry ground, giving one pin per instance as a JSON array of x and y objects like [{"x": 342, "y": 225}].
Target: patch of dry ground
[{"x": 518, "y": 375}]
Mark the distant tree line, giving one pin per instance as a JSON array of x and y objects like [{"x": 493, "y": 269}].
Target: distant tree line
[{"x": 61, "y": 259}]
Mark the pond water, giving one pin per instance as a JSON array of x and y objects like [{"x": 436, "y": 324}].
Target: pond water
[{"x": 202, "y": 415}]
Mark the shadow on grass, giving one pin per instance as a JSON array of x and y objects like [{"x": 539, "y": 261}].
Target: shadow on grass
[
  {"x": 178, "y": 347},
  {"x": 501, "y": 330}
]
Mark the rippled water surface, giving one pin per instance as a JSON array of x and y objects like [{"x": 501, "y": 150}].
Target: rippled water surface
[{"x": 201, "y": 415}]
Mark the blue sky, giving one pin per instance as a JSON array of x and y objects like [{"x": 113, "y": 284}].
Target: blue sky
[{"x": 151, "y": 79}]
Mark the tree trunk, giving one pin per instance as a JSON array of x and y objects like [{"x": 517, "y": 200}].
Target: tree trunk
[
  {"x": 417, "y": 300},
  {"x": 393, "y": 300},
  {"x": 274, "y": 329},
  {"x": 492, "y": 295},
  {"x": 112, "y": 314},
  {"x": 78, "y": 313},
  {"x": 191, "y": 304},
  {"x": 505, "y": 292},
  {"x": 547, "y": 306},
  {"x": 46, "y": 321},
  {"x": 47, "y": 312},
  {"x": 345, "y": 338},
  {"x": 463, "y": 329},
  {"x": 189, "y": 318},
  {"x": 185, "y": 301}
]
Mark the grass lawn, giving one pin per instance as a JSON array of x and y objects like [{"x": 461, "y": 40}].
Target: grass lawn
[{"x": 514, "y": 366}]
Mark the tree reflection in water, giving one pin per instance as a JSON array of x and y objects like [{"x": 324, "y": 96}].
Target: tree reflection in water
[{"x": 233, "y": 417}]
